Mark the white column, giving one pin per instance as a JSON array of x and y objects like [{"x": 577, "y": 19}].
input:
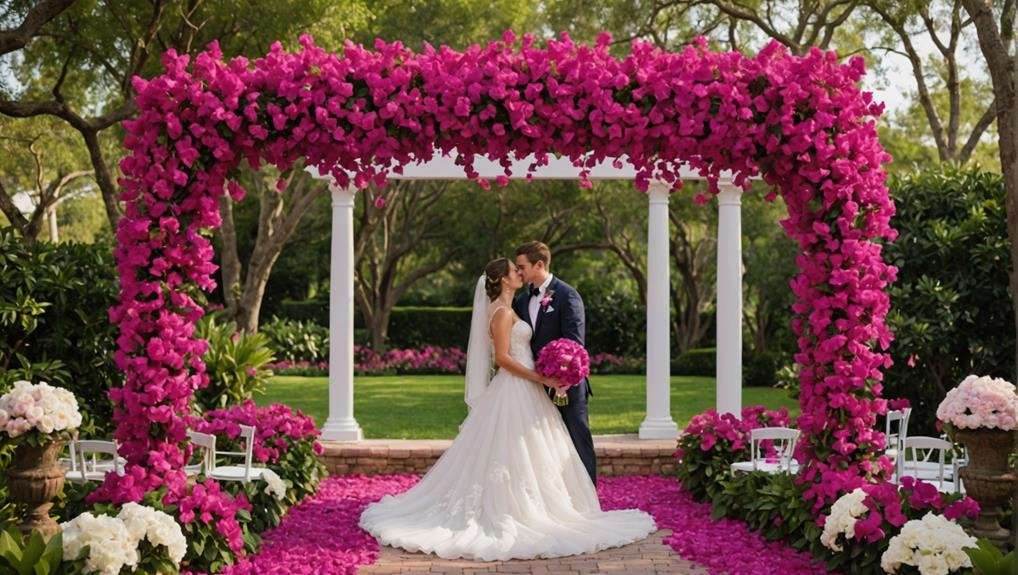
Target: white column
[
  {"x": 729, "y": 301},
  {"x": 341, "y": 425},
  {"x": 658, "y": 424}
]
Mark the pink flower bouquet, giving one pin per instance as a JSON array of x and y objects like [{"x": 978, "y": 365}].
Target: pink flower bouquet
[
  {"x": 566, "y": 361},
  {"x": 37, "y": 413},
  {"x": 980, "y": 402}
]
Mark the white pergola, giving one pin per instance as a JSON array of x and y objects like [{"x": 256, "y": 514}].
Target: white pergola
[{"x": 657, "y": 424}]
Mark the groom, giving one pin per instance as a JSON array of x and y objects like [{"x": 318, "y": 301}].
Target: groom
[{"x": 555, "y": 310}]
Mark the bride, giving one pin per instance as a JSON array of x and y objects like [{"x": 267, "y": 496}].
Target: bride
[{"x": 511, "y": 485}]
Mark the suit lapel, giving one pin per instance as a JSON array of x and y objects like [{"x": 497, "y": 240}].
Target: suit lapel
[{"x": 541, "y": 309}]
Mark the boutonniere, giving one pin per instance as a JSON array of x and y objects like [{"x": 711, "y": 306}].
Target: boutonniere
[{"x": 546, "y": 301}]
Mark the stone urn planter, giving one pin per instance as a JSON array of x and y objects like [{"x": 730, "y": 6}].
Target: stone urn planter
[
  {"x": 987, "y": 478},
  {"x": 34, "y": 478}
]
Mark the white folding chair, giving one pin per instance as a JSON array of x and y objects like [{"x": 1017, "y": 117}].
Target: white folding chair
[
  {"x": 71, "y": 461},
  {"x": 783, "y": 440},
  {"x": 206, "y": 446},
  {"x": 244, "y": 473},
  {"x": 925, "y": 458},
  {"x": 895, "y": 433},
  {"x": 96, "y": 467}
]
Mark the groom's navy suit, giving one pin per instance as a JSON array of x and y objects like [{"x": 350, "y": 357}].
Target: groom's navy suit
[{"x": 564, "y": 317}]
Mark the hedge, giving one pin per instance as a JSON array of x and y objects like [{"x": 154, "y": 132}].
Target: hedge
[{"x": 758, "y": 369}]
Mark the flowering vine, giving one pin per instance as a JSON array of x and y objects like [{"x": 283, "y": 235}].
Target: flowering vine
[{"x": 801, "y": 123}]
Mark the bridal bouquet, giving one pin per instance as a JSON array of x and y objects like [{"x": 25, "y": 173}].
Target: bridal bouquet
[{"x": 565, "y": 360}]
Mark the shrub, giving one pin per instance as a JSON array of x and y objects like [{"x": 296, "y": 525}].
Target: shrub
[
  {"x": 702, "y": 361},
  {"x": 235, "y": 362},
  {"x": 53, "y": 320},
  {"x": 314, "y": 311},
  {"x": 951, "y": 311},
  {"x": 409, "y": 326},
  {"x": 296, "y": 341},
  {"x": 423, "y": 361},
  {"x": 609, "y": 364},
  {"x": 712, "y": 442},
  {"x": 31, "y": 555},
  {"x": 285, "y": 440},
  {"x": 887, "y": 508},
  {"x": 412, "y": 327},
  {"x": 760, "y": 369},
  {"x": 300, "y": 368},
  {"x": 620, "y": 323},
  {"x": 775, "y": 505}
]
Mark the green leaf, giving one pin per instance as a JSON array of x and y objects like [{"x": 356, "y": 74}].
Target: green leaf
[
  {"x": 33, "y": 549},
  {"x": 10, "y": 545}
]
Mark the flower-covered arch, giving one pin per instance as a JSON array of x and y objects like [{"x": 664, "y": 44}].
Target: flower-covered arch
[{"x": 801, "y": 123}]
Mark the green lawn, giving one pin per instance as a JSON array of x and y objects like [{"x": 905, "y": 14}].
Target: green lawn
[{"x": 431, "y": 407}]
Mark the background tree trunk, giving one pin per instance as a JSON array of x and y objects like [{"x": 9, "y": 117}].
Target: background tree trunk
[
  {"x": 995, "y": 44},
  {"x": 278, "y": 216}
]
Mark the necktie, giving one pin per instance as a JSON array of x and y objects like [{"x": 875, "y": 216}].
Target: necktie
[{"x": 534, "y": 292}]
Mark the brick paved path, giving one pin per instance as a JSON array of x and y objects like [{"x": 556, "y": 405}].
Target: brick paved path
[{"x": 647, "y": 557}]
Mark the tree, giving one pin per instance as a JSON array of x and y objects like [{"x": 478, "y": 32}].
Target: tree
[
  {"x": 401, "y": 239},
  {"x": 768, "y": 257},
  {"x": 36, "y": 163},
  {"x": 279, "y": 213},
  {"x": 76, "y": 60},
  {"x": 950, "y": 104},
  {"x": 694, "y": 259},
  {"x": 996, "y": 44}
]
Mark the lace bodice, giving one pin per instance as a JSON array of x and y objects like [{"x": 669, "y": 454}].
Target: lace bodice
[{"x": 519, "y": 339}]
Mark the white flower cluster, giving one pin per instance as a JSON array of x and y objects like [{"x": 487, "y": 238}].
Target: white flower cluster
[
  {"x": 275, "y": 485},
  {"x": 113, "y": 541},
  {"x": 844, "y": 513},
  {"x": 110, "y": 546},
  {"x": 40, "y": 406},
  {"x": 143, "y": 522},
  {"x": 933, "y": 544},
  {"x": 981, "y": 402}
]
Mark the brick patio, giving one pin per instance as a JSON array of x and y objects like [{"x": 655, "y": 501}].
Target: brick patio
[
  {"x": 647, "y": 557},
  {"x": 616, "y": 455}
]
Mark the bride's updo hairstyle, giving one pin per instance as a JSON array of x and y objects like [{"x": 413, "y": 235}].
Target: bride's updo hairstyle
[{"x": 493, "y": 274}]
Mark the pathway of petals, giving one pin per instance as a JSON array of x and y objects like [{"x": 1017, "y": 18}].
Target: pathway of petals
[{"x": 321, "y": 536}]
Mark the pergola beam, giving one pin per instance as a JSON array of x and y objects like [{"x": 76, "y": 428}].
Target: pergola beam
[{"x": 444, "y": 168}]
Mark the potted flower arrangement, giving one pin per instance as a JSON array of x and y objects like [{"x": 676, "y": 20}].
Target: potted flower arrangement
[
  {"x": 982, "y": 413},
  {"x": 39, "y": 419}
]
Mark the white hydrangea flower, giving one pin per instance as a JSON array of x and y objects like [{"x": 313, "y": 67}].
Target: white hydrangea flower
[
  {"x": 159, "y": 528},
  {"x": 844, "y": 513},
  {"x": 111, "y": 547},
  {"x": 934, "y": 545},
  {"x": 274, "y": 485}
]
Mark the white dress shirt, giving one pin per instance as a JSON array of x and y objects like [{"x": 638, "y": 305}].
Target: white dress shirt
[{"x": 535, "y": 301}]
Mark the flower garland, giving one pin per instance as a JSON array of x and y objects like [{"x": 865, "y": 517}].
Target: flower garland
[{"x": 800, "y": 122}]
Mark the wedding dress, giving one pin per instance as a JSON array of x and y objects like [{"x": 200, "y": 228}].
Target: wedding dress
[{"x": 511, "y": 485}]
